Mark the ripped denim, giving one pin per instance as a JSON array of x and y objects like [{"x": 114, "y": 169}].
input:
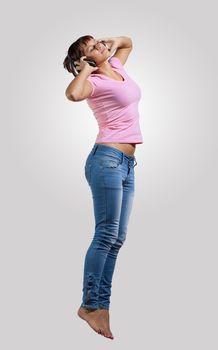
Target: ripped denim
[{"x": 110, "y": 176}]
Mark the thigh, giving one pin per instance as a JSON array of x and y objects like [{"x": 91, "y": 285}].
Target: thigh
[{"x": 104, "y": 176}]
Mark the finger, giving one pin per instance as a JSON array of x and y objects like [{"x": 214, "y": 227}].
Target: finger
[{"x": 82, "y": 58}]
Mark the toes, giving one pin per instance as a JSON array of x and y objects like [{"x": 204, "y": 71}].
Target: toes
[
  {"x": 110, "y": 336},
  {"x": 107, "y": 334},
  {"x": 102, "y": 332}
]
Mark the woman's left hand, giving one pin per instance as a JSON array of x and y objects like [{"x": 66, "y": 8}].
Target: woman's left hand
[{"x": 112, "y": 43}]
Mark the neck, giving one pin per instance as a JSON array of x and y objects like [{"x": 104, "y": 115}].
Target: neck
[{"x": 104, "y": 68}]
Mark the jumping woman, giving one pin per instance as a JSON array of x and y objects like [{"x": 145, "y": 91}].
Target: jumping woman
[{"x": 101, "y": 80}]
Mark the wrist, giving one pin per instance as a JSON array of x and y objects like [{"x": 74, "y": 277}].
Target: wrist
[
  {"x": 86, "y": 69},
  {"x": 84, "y": 73}
]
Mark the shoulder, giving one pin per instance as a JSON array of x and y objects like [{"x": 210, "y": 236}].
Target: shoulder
[
  {"x": 96, "y": 83},
  {"x": 115, "y": 62}
]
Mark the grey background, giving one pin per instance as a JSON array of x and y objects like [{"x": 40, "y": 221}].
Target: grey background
[{"x": 164, "y": 293}]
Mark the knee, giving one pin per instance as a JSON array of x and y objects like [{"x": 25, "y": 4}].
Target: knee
[
  {"x": 119, "y": 242},
  {"x": 121, "y": 235},
  {"x": 107, "y": 236},
  {"x": 106, "y": 242}
]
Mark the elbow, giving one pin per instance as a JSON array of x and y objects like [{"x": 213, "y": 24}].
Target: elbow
[
  {"x": 131, "y": 44},
  {"x": 70, "y": 97},
  {"x": 130, "y": 40}
]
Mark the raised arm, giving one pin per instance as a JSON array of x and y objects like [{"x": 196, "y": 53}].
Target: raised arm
[
  {"x": 122, "y": 45},
  {"x": 80, "y": 88}
]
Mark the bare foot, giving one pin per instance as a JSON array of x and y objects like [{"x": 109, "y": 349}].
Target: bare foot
[{"x": 98, "y": 319}]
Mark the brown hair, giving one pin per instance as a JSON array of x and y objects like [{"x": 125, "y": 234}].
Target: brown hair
[{"x": 74, "y": 53}]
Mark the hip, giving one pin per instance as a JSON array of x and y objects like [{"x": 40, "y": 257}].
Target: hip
[
  {"x": 128, "y": 148},
  {"x": 107, "y": 167}
]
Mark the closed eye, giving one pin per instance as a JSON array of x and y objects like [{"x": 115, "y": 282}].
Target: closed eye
[{"x": 92, "y": 48}]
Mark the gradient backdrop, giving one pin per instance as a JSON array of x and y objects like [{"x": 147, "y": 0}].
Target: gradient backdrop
[{"x": 164, "y": 293}]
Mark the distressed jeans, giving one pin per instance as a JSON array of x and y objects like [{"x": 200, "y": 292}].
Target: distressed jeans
[{"x": 110, "y": 176}]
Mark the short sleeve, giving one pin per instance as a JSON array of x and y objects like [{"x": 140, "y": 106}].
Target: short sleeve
[
  {"x": 115, "y": 62},
  {"x": 94, "y": 81},
  {"x": 93, "y": 86}
]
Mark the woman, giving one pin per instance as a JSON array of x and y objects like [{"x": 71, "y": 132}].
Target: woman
[{"x": 113, "y": 97}]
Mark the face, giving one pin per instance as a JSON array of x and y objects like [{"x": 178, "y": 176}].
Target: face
[{"x": 96, "y": 50}]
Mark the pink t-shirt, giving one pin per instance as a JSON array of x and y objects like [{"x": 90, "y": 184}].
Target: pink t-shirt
[{"x": 115, "y": 106}]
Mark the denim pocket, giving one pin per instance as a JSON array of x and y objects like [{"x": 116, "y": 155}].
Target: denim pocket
[{"x": 108, "y": 162}]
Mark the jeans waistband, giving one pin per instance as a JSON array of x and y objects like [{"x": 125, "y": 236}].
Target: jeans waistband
[{"x": 114, "y": 151}]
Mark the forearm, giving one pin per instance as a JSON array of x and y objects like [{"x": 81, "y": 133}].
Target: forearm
[
  {"x": 124, "y": 42},
  {"x": 75, "y": 88}
]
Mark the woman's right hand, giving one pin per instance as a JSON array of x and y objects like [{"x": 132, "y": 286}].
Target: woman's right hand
[{"x": 81, "y": 64}]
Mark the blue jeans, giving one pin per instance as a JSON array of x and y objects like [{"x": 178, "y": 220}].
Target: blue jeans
[{"x": 110, "y": 175}]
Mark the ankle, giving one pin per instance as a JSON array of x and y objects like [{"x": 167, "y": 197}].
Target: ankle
[{"x": 103, "y": 308}]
